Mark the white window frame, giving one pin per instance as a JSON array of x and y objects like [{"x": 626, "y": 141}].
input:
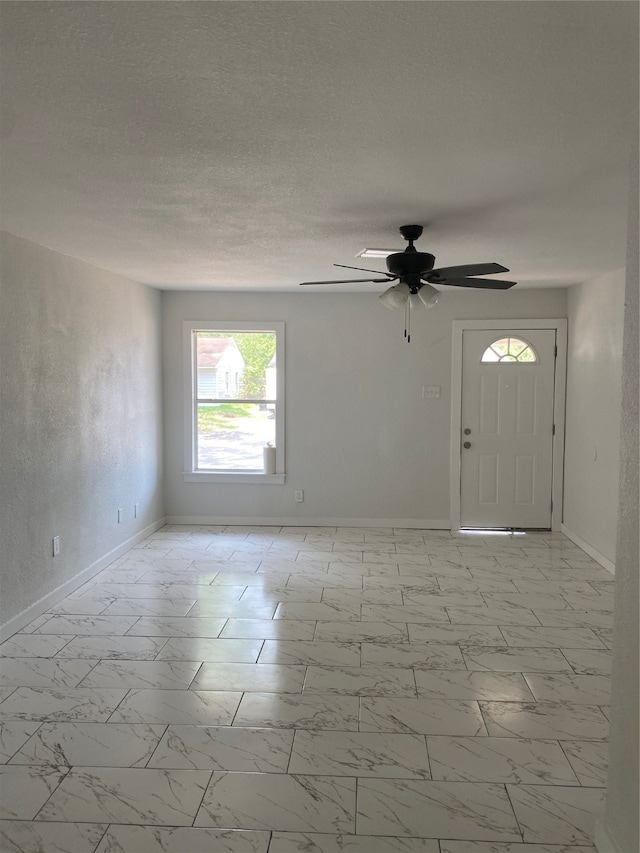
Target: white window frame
[{"x": 191, "y": 473}]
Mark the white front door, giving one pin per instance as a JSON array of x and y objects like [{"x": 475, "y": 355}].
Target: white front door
[{"x": 507, "y": 417}]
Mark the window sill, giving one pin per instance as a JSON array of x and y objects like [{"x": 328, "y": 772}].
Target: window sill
[{"x": 253, "y": 478}]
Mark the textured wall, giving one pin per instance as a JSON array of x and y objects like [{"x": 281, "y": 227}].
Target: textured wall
[
  {"x": 594, "y": 371},
  {"x": 81, "y": 427},
  {"x": 360, "y": 440},
  {"x": 620, "y": 827}
]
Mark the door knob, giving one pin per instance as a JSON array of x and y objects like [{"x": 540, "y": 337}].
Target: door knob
[{"x": 467, "y": 445}]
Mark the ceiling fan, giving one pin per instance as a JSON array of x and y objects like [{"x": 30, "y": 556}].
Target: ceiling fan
[{"x": 414, "y": 272}]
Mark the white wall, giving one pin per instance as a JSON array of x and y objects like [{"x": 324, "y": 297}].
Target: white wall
[
  {"x": 360, "y": 440},
  {"x": 594, "y": 371},
  {"x": 81, "y": 428}
]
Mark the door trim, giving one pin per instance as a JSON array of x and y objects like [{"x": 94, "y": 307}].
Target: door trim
[{"x": 560, "y": 377}]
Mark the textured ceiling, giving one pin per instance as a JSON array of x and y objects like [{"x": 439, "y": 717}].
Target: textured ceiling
[{"x": 248, "y": 145}]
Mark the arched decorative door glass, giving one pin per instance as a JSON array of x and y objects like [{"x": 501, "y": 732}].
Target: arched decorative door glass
[{"x": 510, "y": 349}]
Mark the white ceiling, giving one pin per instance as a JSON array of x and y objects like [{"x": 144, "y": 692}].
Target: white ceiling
[{"x": 248, "y": 145}]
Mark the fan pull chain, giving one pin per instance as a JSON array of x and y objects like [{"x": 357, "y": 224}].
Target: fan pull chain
[{"x": 407, "y": 321}]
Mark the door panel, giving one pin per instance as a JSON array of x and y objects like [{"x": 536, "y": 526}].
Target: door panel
[{"x": 506, "y": 471}]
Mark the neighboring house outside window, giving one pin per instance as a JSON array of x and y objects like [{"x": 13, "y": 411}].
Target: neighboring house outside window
[
  {"x": 234, "y": 401},
  {"x": 218, "y": 358}
]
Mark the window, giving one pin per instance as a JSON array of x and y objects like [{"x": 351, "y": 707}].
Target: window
[
  {"x": 234, "y": 401},
  {"x": 510, "y": 349}
]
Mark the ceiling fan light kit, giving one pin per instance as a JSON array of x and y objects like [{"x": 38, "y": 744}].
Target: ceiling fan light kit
[{"x": 414, "y": 272}]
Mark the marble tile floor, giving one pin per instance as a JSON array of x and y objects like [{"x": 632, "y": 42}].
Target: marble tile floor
[{"x": 328, "y": 690}]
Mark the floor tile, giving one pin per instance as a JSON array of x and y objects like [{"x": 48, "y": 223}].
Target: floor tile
[
  {"x": 276, "y": 594},
  {"x": 43, "y": 672},
  {"x": 78, "y": 625},
  {"x": 473, "y": 635},
  {"x": 530, "y": 600},
  {"x": 589, "y": 760},
  {"x": 188, "y": 707},
  {"x": 550, "y": 814},
  {"x": 298, "y": 711},
  {"x": 279, "y": 801},
  {"x": 361, "y": 632},
  {"x": 323, "y": 611},
  {"x": 438, "y": 716},
  {"x": 574, "y": 689},
  {"x": 587, "y": 661},
  {"x": 313, "y": 842},
  {"x": 125, "y": 795},
  {"x": 361, "y": 596},
  {"x": 174, "y": 675},
  {"x": 223, "y": 748},
  {"x": 493, "y": 616},
  {"x": 492, "y": 759},
  {"x": 180, "y": 839},
  {"x": 257, "y": 678},
  {"x": 12, "y": 736},
  {"x": 268, "y": 629},
  {"x": 207, "y": 649},
  {"x": 243, "y": 609},
  {"x": 360, "y": 681},
  {"x": 91, "y": 744},
  {"x": 68, "y": 704},
  {"x": 421, "y": 614},
  {"x": 440, "y": 809},
  {"x": 413, "y": 655},
  {"x": 462, "y": 684},
  {"x": 566, "y": 638},
  {"x": 329, "y": 654},
  {"x": 502, "y": 847},
  {"x": 21, "y": 836},
  {"x": 362, "y": 754},
  {"x": 33, "y": 645},
  {"x": 149, "y": 607},
  {"x": 574, "y": 618},
  {"x": 122, "y": 648},
  {"x": 24, "y": 790},
  {"x": 168, "y": 626},
  {"x": 481, "y": 660},
  {"x": 496, "y": 659},
  {"x": 544, "y": 720}
]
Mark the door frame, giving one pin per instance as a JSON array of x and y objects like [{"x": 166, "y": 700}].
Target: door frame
[{"x": 559, "y": 325}]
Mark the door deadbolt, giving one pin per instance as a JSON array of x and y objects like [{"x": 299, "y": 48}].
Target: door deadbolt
[
  {"x": 467, "y": 445},
  {"x": 467, "y": 431}
]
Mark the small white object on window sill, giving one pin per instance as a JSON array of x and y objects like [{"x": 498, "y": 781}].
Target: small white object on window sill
[{"x": 269, "y": 458}]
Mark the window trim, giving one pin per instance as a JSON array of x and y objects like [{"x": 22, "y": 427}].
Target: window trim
[{"x": 191, "y": 474}]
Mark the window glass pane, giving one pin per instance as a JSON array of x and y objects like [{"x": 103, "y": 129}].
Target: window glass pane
[
  {"x": 231, "y": 436},
  {"x": 238, "y": 365},
  {"x": 509, "y": 349}
]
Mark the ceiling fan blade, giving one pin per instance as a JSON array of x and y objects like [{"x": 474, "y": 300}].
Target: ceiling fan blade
[
  {"x": 377, "y": 272},
  {"x": 350, "y": 281},
  {"x": 466, "y": 269},
  {"x": 487, "y": 283}
]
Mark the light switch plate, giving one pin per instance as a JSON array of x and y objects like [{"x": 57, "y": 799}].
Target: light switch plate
[{"x": 430, "y": 392}]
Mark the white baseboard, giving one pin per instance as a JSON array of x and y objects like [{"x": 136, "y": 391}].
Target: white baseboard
[
  {"x": 603, "y": 840},
  {"x": 605, "y": 562},
  {"x": 43, "y": 604},
  {"x": 412, "y": 523}
]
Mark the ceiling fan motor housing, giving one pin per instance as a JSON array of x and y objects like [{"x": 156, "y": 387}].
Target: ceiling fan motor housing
[{"x": 410, "y": 263}]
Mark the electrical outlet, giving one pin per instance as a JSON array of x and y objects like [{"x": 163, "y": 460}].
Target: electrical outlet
[
  {"x": 120, "y": 516},
  {"x": 56, "y": 546},
  {"x": 298, "y": 496},
  {"x": 135, "y": 510}
]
